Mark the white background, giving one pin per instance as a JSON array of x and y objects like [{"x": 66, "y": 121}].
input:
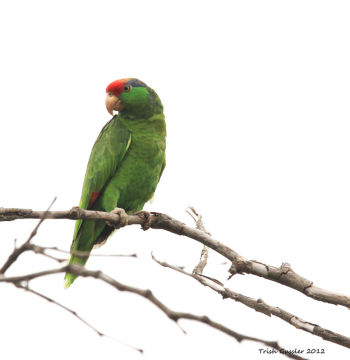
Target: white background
[{"x": 256, "y": 96}]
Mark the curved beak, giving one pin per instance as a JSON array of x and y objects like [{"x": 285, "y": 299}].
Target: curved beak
[{"x": 113, "y": 103}]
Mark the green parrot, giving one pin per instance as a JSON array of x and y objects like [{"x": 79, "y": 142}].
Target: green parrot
[{"x": 125, "y": 165}]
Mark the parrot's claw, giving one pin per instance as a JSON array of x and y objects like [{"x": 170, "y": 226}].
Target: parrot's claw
[
  {"x": 123, "y": 218},
  {"x": 146, "y": 217}
]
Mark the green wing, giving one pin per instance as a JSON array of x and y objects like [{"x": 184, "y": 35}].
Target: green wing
[
  {"x": 107, "y": 153},
  {"x": 162, "y": 169}
]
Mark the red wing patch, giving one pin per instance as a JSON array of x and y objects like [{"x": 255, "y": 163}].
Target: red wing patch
[{"x": 93, "y": 198}]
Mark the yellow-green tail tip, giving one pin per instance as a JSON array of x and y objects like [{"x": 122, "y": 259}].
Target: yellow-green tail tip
[{"x": 69, "y": 278}]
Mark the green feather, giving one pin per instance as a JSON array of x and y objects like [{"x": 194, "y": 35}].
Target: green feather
[
  {"x": 110, "y": 147},
  {"x": 125, "y": 166}
]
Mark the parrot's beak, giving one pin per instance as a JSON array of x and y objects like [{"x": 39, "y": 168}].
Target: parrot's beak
[{"x": 113, "y": 103}]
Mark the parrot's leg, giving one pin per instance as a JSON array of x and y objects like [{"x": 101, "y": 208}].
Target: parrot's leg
[
  {"x": 146, "y": 217},
  {"x": 123, "y": 218}
]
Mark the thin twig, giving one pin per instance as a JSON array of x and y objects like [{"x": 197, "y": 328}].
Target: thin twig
[
  {"x": 75, "y": 314},
  {"x": 205, "y": 251},
  {"x": 147, "y": 294},
  {"x": 42, "y": 251},
  {"x": 87, "y": 253},
  {"x": 18, "y": 251}
]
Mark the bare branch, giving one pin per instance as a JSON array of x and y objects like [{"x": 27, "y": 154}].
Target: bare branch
[
  {"x": 283, "y": 275},
  {"x": 78, "y": 253},
  {"x": 202, "y": 261},
  {"x": 14, "y": 256},
  {"x": 42, "y": 251},
  {"x": 24, "y": 247},
  {"x": 260, "y": 306},
  {"x": 147, "y": 294},
  {"x": 205, "y": 251},
  {"x": 75, "y": 314}
]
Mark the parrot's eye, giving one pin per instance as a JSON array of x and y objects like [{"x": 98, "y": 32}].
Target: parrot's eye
[{"x": 127, "y": 88}]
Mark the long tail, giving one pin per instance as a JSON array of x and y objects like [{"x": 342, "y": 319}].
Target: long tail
[
  {"x": 81, "y": 247},
  {"x": 90, "y": 233},
  {"x": 69, "y": 278}
]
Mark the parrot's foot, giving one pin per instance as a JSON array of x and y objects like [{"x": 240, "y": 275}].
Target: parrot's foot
[
  {"x": 123, "y": 218},
  {"x": 146, "y": 217}
]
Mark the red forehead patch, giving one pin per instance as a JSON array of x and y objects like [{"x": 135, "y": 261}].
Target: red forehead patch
[{"x": 116, "y": 87}]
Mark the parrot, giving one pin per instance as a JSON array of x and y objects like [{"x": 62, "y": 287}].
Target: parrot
[{"x": 125, "y": 164}]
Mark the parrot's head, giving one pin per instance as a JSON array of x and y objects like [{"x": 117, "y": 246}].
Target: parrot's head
[{"x": 131, "y": 96}]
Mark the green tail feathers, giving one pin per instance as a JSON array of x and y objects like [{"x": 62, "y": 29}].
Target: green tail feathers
[
  {"x": 69, "y": 278},
  {"x": 89, "y": 233}
]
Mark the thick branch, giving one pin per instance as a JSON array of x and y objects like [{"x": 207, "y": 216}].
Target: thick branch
[
  {"x": 260, "y": 306},
  {"x": 173, "y": 315},
  {"x": 282, "y": 275}
]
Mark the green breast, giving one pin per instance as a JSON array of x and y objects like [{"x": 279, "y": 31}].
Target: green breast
[{"x": 139, "y": 173}]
